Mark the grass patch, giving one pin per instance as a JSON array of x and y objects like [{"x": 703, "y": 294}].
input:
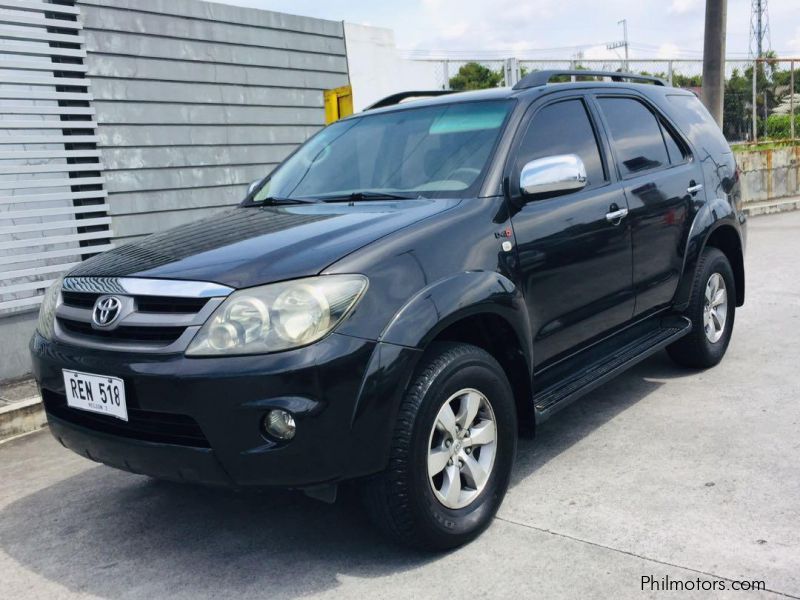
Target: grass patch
[{"x": 765, "y": 145}]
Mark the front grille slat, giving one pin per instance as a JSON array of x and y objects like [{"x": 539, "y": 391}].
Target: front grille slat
[
  {"x": 149, "y": 322},
  {"x": 145, "y": 425},
  {"x": 161, "y": 335},
  {"x": 79, "y": 299},
  {"x": 144, "y": 304},
  {"x": 165, "y": 304}
]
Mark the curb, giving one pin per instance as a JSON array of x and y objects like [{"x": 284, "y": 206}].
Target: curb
[
  {"x": 25, "y": 416},
  {"x": 776, "y": 205}
]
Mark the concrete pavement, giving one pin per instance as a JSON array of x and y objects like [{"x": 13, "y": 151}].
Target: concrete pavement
[{"x": 663, "y": 472}]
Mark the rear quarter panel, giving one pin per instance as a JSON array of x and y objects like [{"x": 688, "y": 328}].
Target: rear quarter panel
[{"x": 721, "y": 203}]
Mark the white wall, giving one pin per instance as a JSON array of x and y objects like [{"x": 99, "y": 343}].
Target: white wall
[{"x": 376, "y": 70}]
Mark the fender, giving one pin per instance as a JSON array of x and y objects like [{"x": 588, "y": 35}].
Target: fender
[
  {"x": 714, "y": 214},
  {"x": 439, "y": 305},
  {"x": 402, "y": 342}
]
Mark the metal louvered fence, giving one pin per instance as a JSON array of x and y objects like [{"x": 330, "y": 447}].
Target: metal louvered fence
[{"x": 53, "y": 211}]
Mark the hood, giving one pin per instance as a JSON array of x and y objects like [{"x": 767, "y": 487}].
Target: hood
[{"x": 254, "y": 245}]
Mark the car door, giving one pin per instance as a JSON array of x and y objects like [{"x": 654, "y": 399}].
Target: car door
[
  {"x": 574, "y": 261},
  {"x": 661, "y": 180}
]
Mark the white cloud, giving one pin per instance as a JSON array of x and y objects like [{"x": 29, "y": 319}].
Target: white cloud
[
  {"x": 465, "y": 24},
  {"x": 454, "y": 31},
  {"x": 518, "y": 27},
  {"x": 668, "y": 50},
  {"x": 681, "y": 7},
  {"x": 794, "y": 42}
]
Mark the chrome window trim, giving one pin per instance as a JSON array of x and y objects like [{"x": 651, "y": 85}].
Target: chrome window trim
[{"x": 136, "y": 286}]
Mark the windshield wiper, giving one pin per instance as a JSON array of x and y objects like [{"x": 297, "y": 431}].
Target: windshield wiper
[
  {"x": 281, "y": 200},
  {"x": 367, "y": 195}
]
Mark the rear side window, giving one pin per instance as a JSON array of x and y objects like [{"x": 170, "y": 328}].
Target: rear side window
[
  {"x": 674, "y": 147},
  {"x": 636, "y": 135},
  {"x": 563, "y": 128},
  {"x": 696, "y": 122}
]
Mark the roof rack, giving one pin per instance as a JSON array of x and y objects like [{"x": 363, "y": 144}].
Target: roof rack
[
  {"x": 400, "y": 96},
  {"x": 538, "y": 78}
]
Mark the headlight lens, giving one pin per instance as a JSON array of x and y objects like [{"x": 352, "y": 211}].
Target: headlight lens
[
  {"x": 47, "y": 310},
  {"x": 278, "y": 316}
]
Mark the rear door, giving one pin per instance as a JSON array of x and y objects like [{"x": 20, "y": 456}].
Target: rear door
[
  {"x": 574, "y": 263},
  {"x": 661, "y": 181}
]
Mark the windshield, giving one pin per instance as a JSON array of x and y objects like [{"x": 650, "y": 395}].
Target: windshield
[{"x": 435, "y": 150}]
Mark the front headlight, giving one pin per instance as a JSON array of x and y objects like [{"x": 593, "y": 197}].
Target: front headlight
[
  {"x": 47, "y": 310},
  {"x": 278, "y": 316}
]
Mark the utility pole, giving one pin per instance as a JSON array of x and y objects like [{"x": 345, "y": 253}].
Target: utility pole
[
  {"x": 623, "y": 43},
  {"x": 625, "y": 39},
  {"x": 760, "y": 46},
  {"x": 713, "y": 92}
]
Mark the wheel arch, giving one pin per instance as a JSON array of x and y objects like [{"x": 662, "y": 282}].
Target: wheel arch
[
  {"x": 726, "y": 239},
  {"x": 714, "y": 226},
  {"x": 481, "y": 308}
]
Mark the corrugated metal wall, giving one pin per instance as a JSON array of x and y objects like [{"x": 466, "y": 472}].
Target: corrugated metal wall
[
  {"x": 195, "y": 100},
  {"x": 52, "y": 203},
  {"x": 174, "y": 106}
]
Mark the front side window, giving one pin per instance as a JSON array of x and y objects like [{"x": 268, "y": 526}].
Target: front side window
[
  {"x": 636, "y": 135},
  {"x": 429, "y": 151},
  {"x": 563, "y": 128}
]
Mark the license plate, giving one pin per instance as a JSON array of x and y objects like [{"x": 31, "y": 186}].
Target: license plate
[{"x": 96, "y": 393}]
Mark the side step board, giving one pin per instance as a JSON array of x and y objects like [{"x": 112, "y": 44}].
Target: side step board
[{"x": 563, "y": 392}]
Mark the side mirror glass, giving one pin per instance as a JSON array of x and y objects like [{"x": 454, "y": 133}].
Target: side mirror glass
[{"x": 553, "y": 175}]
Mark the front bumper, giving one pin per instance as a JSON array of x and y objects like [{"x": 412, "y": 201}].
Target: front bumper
[{"x": 199, "y": 419}]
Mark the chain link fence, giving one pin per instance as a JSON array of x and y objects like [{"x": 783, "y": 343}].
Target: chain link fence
[{"x": 761, "y": 103}]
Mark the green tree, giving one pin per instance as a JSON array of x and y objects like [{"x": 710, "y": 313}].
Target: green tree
[
  {"x": 784, "y": 78},
  {"x": 474, "y": 76},
  {"x": 687, "y": 81},
  {"x": 780, "y": 126},
  {"x": 737, "y": 107}
]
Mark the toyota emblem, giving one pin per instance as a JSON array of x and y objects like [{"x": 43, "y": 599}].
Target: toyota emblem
[{"x": 106, "y": 310}]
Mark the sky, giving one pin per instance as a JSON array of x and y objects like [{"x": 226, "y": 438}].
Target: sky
[{"x": 550, "y": 28}]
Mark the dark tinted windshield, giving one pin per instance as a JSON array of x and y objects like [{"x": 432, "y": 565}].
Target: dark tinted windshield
[{"x": 434, "y": 150}]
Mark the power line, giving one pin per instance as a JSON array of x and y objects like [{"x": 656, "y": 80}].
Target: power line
[{"x": 496, "y": 52}]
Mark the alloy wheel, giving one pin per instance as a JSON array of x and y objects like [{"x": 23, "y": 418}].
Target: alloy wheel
[
  {"x": 715, "y": 309},
  {"x": 462, "y": 448}
]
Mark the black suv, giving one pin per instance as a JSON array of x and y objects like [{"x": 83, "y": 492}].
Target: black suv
[{"x": 403, "y": 294}]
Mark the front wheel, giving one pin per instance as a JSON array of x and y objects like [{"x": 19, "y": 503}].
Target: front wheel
[
  {"x": 452, "y": 451},
  {"x": 712, "y": 308}
]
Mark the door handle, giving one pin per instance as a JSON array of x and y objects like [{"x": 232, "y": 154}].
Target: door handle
[
  {"x": 617, "y": 215},
  {"x": 694, "y": 188}
]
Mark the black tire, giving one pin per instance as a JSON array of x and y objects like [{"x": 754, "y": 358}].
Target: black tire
[
  {"x": 696, "y": 350},
  {"x": 401, "y": 500}
]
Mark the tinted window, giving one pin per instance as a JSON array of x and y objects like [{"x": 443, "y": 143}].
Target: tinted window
[
  {"x": 676, "y": 154},
  {"x": 636, "y": 136},
  {"x": 695, "y": 121},
  {"x": 563, "y": 128}
]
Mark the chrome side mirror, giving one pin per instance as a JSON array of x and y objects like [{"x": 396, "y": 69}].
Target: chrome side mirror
[{"x": 554, "y": 175}]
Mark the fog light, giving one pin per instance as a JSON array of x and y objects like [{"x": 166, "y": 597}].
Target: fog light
[{"x": 280, "y": 424}]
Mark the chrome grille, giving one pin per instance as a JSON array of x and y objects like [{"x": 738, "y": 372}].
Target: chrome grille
[{"x": 161, "y": 315}]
